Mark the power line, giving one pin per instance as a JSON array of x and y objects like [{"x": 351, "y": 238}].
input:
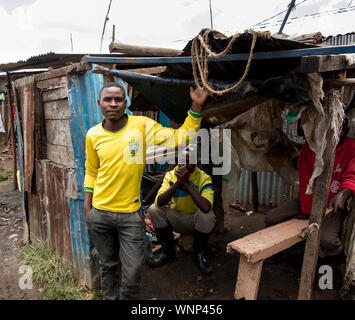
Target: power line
[
  {"x": 277, "y": 14},
  {"x": 313, "y": 15}
]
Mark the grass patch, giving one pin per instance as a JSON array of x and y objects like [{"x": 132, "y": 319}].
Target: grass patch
[
  {"x": 5, "y": 174},
  {"x": 53, "y": 276}
]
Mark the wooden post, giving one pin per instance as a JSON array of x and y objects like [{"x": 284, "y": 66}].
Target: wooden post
[
  {"x": 254, "y": 188},
  {"x": 248, "y": 279},
  {"x": 12, "y": 123},
  {"x": 319, "y": 202}
]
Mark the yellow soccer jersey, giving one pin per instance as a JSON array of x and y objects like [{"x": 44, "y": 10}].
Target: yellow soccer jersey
[
  {"x": 181, "y": 200},
  {"x": 115, "y": 161}
]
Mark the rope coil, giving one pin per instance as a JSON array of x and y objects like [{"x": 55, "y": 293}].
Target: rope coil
[{"x": 201, "y": 50}]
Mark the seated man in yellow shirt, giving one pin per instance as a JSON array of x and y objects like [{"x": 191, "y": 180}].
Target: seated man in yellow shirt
[{"x": 190, "y": 192}]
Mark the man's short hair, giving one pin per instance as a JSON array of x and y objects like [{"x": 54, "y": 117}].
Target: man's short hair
[{"x": 110, "y": 85}]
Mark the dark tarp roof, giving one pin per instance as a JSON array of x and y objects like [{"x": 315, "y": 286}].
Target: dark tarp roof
[
  {"x": 233, "y": 70},
  {"x": 170, "y": 91}
]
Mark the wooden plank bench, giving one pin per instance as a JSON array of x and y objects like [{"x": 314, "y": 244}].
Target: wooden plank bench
[{"x": 256, "y": 247}]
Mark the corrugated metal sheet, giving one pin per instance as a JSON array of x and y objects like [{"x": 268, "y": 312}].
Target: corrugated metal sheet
[
  {"x": 340, "y": 39},
  {"x": 272, "y": 189},
  {"x": 83, "y": 92}
]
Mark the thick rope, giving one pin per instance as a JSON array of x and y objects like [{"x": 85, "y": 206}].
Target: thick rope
[{"x": 200, "y": 51}]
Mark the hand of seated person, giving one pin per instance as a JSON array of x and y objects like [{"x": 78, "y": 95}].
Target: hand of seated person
[{"x": 339, "y": 200}]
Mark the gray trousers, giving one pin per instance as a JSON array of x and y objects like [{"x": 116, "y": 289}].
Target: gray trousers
[
  {"x": 182, "y": 223},
  {"x": 118, "y": 236},
  {"x": 330, "y": 244}
]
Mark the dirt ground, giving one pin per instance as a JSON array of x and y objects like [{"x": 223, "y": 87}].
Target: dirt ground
[
  {"x": 11, "y": 233},
  {"x": 182, "y": 281},
  {"x": 179, "y": 280}
]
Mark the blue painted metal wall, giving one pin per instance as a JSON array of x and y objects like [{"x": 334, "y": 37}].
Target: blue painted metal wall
[{"x": 83, "y": 92}]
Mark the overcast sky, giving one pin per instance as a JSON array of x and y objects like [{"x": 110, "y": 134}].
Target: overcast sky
[{"x": 32, "y": 27}]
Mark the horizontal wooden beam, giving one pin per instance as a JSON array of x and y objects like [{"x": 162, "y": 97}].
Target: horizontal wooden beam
[
  {"x": 232, "y": 104},
  {"x": 327, "y": 63},
  {"x": 153, "y": 70},
  {"x": 116, "y": 47},
  {"x": 338, "y": 82}
]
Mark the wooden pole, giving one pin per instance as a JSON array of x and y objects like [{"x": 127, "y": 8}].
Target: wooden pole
[
  {"x": 319, "y": 202},
  {"x": 12, "y": 123},
  {"x": 116, "y": 47},
  {"x": 254, "y": 188}
]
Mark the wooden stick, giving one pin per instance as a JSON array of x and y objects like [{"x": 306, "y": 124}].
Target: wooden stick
[
  {"x": 320, "y": 196},
  {"x": 143, "y": 51}
]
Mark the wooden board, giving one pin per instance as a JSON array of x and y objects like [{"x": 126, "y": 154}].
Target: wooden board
[
  {"x": 78, "y": 67},
  {"x": 57, "y": 110},
  {"x": 56, "y": 94},
  {"x": 142, "y": 51},
  {"x": 52, "y": 74},
  {"x": 248, "y": 279},
  {"x": 327, "y": 63},
  {"x": 58, "y": 133},
  {"x": 58, "y": 211},
  {"x": 37, "y": 207},
  {"x": 265, "y": 243},
  {"x": 26, "y": 103},
  {"x": 53, "y": 83},
  {"x": 153, "y": 70},
  {"x": 61, "y": 155}
]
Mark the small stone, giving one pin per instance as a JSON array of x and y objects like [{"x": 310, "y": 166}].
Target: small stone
[
  {"x": 241, "y": 227},
  {"x": 13, "y": 236},
  {"x": 211, "y": 290}
]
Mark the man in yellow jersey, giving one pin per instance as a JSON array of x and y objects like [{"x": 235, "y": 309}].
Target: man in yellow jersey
[
  {"x": 115, "y": 159},
  {"x": 190, "y": 193}
]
